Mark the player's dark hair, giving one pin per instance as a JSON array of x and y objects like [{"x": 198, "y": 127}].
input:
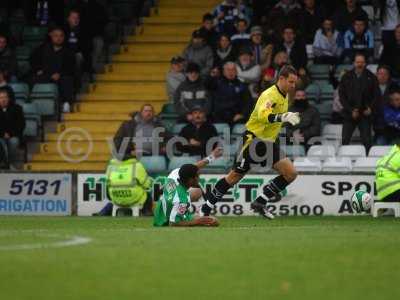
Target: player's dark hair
[
  {"x": 287, "y": 70},
  {"x": 187, "y": 172},
  {"x": 208, "y": 17}
]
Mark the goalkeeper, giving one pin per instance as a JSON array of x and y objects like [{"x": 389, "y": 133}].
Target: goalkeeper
[
  {"x": 261, "y": 147},
  {"x": 173, "y": 207}
]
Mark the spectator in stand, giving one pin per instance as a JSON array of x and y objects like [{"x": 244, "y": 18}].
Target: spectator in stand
[
  {"x": 389, "y": 17},
  {"x": 345, "y": 16},
  {"x": 198, "y": 133},
  {"x": 225, "y": 51},
  {"x": 386, "y": 86},
  {"x": 208, "y": 31},
  {"x": 93, "y": 22},
  {"x": 5, "y": 86},
  {"x": 248, "y": 71},
  {"x": 175, "y": 76},
  {"x": 53, "y": 62},
  {"x": 270, "y": 75},
  {"x": 241, "y": 38},
  {"x": 295, "y": 49},
  {"x": 262, "y": 54},
  {"x": 281, "y": 15},
  {"x": 359, "y": 93},
  {"x": 143, "y": 135},
  {"x": 8, "y": 59},
  {"x": 192, "y": 92},
  {"x": 358, "y": 39},
  {"x": 12, "y": 125},
  {"x": 309, "y": 18},
  {"x": 45, "y": 12},
  {"x": 231, "y": 97},
  {"x": 227, "y": 14},
  {"x": 391, "y": 54},
  {"x": 391, "y": 118},
  {"x": 200, "y": 53},
  {"x": 74, "y": 38},
  {"x": 310, "y": 124},
  {"x": 326, "y": 44}
]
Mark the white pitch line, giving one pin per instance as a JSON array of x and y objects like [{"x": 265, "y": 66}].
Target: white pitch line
[{"x": 73, "y": 241}]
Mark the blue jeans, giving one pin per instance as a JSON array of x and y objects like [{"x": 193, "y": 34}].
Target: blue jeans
[{"x": 9, "y": 148}]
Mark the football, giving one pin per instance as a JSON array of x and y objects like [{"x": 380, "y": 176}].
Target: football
[{"x": 361, "y": 201}]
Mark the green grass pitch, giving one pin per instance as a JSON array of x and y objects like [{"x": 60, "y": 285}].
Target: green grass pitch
[{"x": 245, "y": 258}]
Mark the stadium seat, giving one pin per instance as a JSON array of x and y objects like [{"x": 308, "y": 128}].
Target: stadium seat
[
  {"x": 313, "y": 92},
  {"x": 325, "y": 110},
  {"x": 45, "y": 90},
  {"x": 219, "y": 165},
  {"x": 319, "y": 71},
  {"x": 23, "y": 52},
  {"x": 177, "y": 128},
  {"x": 352, "y": 151},
  {"x": 222, "y": 128},
  {"x": 310, "y": 51},
  {"x": 321, "y": 151},
  {"x": 379, "y": 151},
  {"x": 34, "y": 34},
  {"x": 178, "y": 161},
  {"x": 32, "y": 120},
  {"x": 46, "y": 107},
  {"x": 305, "y": 164},
  {"x": 332, "y": 131},
  {"x": 230, "y": 149},
  {"x": 168, "y": 111},
  {"x": 337, "y": 164},
  {"x": 21, "y": 90},
  {"x": 365, "y": 164},
  {"x": 294, "y": 151},
  {"x": 340, "y": 69},
  {"x": 373, "y": 68},
  {"x": 326, "y": 90},
  {"x": 238, "y": 130},
  {"x": 154, "y": 164}
]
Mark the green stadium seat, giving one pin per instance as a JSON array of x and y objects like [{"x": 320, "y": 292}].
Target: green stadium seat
[
  {"x": 340, "y": 69},
  {"x": 44, "y": 90},
  {"x": 23, "y": 53},
  {"x": 313, "y": 92},
  {"x": 32, "y": 120},
  {"x": 21, "y": 91},
  {"x": 23, "y": 67},
  {"x": 177, "y": 128},
  {"x": 154, "y": 164},
  {"x": 46, "y": 106},
  {"x": 222, "y": 128},
  {"x": 178, "y": 161},
  {"x": 219, "y": 165},
  {"x": 168, "y": 111},
  {"x": 326, "y": 89},
  {"x": 325, "y": 110},
  {"x": 34, "y": 34},
  {"x": 293, "y": 151},
  {"x": 319, "y": 71},
  {"x": 238, "y": 130},
  {"x": 168, "y": 124}
]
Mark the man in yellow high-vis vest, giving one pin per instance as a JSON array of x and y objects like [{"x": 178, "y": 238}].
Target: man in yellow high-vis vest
[{"x": 388, "y": 176}]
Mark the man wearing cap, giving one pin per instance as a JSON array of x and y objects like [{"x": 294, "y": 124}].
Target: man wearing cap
[
  {"x": 200, "y": 53},
  {"x": 175, "y": 76},
  {"x": 198, "y": 133},
  {"x": 241, "y": 38},
  {"x": 173, "y": 207},
  {"x": 262, "y": 55},
  {"x": 190, "y": 93}
]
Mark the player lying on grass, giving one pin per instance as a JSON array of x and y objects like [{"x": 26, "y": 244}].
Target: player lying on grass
[
  {"x": 173, "y": 207},
  {"x": 261, "y": 147}
]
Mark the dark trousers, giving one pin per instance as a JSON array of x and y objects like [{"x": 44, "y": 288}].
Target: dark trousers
[
  {"x": 66, "y": 86},
  {"x": 388, "y": 38},
  {"x": 393, "y": 197},
  {"x": 364, "y": 125}
]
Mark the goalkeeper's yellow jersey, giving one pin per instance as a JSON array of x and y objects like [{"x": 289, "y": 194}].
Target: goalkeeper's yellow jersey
[{"x": 271, "y": 101}]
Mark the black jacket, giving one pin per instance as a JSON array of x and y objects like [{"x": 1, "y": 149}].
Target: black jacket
[
  {"x": 8, "y": 60},
  {"x": 298, "y": 54},
  {"x": 343, "y": 19},
  {"x": 310, "y": 121},
  {"x": 44, "y": 58},
  {"x": 358, "y": 93},
  {"x": 391, "y": 57},
  {"x": 202, "y": 134},
  {"x": 190, "y": 94},
  {"x": 12, "y": 121}
]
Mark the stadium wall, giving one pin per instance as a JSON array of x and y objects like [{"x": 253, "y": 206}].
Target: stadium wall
[{"x": 62, "y": 194}]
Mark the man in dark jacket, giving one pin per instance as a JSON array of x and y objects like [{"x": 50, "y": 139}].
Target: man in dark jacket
[
  {"x": 391, "y": 54},
  {"x": 232, "y": 100},
  {"x": 12, "y": 125},
  {"x": 295, "y": 48},
  {"x": 55, "y": 63},
  {"x": 208, "y": 31},
  {"x": 8, "y": 59},
  {"x": 192, "y": 92},
  {"x": 142, "y": 135},
  {"x": 198, "y": 133},
  {"x": 358, "y": 92},
  {"x": 310, "y": 124},
  {"x": 345, "y": 15}
]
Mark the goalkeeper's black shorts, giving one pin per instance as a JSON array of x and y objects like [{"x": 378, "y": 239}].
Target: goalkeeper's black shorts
[{"x": 256, "y": 152}]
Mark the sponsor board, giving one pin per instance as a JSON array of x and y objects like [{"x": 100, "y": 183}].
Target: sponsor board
[
  {"x": 35, "y": 194},
  {"x": 309, "y": 195}
]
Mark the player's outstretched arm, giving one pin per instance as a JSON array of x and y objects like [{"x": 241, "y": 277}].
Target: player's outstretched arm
[
  {"x": 216, "y": 153},
  {"x": 198, "y": 222}
]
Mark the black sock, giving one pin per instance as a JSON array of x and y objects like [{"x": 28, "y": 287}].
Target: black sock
[
  {"x": 219, "y": 190},
  {"x": 272, "y": 189}
]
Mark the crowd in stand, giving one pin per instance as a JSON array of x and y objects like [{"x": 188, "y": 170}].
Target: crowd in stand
[{"x": 241, "y": 46}]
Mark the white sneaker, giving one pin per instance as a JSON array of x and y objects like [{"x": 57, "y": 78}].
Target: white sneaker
[{"x": 66, "y": 107}]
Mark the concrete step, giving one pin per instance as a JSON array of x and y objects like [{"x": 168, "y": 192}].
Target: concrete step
[
  {"x": 123, "y": 97},
  {"x": 140, "y": 49},
  {"x": 134, "y": 88},
  {"x": 65, "y": 166},
  {"x": 157, "y": 39},
  {"x": 167, "y": 29},
  {"x": 95, "y": 117},
  {"x": 177, "y": 20},
  {"x": 115, "y": 107},
  {"x": 138, "y": 68},
  {"x": 148, "y": 57},
  {"x": 74, "y": 148},
  {"x": 93, "y": 157},
  {"x": 122, "y": 77},
  {"x": 95, "y": 136}
]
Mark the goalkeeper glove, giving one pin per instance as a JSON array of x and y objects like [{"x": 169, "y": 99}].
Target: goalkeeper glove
[{"x": 291, "y": 118}]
